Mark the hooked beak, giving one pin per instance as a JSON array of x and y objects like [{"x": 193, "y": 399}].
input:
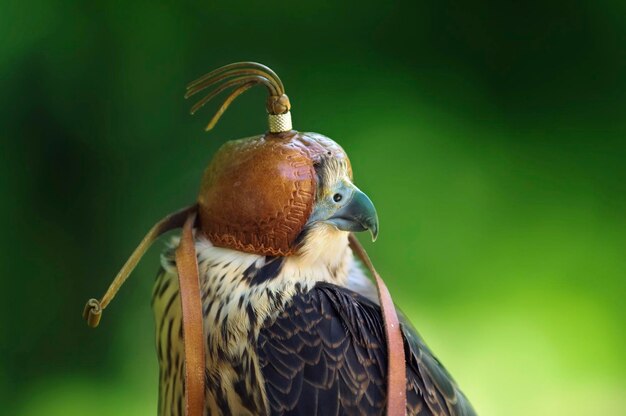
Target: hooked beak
[{"x": 359, "y": 214}]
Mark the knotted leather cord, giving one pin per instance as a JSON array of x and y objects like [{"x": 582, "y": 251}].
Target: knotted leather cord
[
  {"x": 396, "y": 370},
  {"x": 193, "y": 340},
  {"x": 94, "y": 307}
]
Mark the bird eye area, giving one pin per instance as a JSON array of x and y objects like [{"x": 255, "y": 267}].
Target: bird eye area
[{"x": 337, "y": 197}]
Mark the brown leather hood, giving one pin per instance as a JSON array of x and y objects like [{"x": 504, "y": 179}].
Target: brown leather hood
[{"x": 258, "y": 193}]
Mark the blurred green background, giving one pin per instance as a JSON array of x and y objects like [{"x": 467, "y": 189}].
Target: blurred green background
[{"x": 490, "y": 135}]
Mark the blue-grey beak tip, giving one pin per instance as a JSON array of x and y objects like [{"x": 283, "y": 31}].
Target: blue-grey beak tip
[{"x": 373, "y": 228}]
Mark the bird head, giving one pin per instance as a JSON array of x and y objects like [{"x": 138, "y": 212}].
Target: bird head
[{"x": 280, "y": 194}]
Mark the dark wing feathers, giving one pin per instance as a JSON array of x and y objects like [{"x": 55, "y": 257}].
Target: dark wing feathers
[{"x": 325, "y": 354}]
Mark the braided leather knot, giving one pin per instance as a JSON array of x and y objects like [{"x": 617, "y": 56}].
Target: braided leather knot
[{"x": 278, "y": 104}]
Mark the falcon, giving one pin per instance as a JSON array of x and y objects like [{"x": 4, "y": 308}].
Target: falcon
[
  {"x": 291, "y": 323},
  {"x": 299, "y": 334}
]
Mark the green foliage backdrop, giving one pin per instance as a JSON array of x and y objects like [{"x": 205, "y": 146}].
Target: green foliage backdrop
[{"x": 490, "y": 135}]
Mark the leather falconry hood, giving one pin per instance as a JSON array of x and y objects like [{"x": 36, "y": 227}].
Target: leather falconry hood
[
  {"x": 258, "y": 193},
  {"x": 256, "y": 196}
]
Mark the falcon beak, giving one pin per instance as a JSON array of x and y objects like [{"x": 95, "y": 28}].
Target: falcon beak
[{"x": 358, "y": 214}]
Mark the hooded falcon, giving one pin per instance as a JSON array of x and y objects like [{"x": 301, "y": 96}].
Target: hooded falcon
[
  {"x": 300, "y": 333},
  {"x": 290, "y": 322}
]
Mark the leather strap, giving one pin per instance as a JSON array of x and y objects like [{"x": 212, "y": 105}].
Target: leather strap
[
  {"x": 396, "y": 370},
  {"x": 92, "y": 312},
  {"x": 187, "y": 265}
]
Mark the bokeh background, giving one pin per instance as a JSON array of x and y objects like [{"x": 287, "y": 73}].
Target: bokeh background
[{"x": 490, "y": 135}]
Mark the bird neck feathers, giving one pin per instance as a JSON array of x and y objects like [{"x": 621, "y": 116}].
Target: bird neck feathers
[{"x": 241, "y": 290}]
